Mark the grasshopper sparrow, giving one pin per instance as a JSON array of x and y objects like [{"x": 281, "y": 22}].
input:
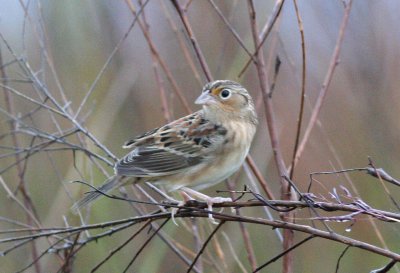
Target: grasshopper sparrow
[{"x": 193, "y": 152}]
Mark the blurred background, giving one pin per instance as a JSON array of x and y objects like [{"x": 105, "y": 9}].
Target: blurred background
[{"x": 84, "y": 50}]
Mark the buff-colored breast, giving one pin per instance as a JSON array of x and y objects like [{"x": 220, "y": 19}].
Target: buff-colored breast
[{"x": 219, "y": 165}]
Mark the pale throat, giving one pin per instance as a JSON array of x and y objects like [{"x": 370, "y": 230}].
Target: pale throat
[
  {"x": 217, "y": 115},
  {"x": 240, "y": 129}
]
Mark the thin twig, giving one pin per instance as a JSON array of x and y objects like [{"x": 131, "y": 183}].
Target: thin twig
[
  {"x": 286, "y": 194},
  {"x": 28, "y": 203},
  {"x": 261, "y": 180},
  {"x": 164, "y": 102},
  {"x": 204, "y": 246},
  {"x": 324, "y": 88},
  {"x": 276, "y": 11},
  {"x": 145, "y": 244},
  {"x": 162, "y": 63},
  {"x": 232, "y": 30},
  {"x": 108, "y": 61},
  {"x": 117, "y": 249},
  {"x": 182, "y": 44},
  {"x": 277, "y": 257},
  {"x": 193, "y": 40},
  {"x": 341, "y": 257},
  {"x": 245, "y": 234},
  {"x": 303, "y": 87},
  {"x": 386, "y": 268},
  {"x": 379, "y": 176}
]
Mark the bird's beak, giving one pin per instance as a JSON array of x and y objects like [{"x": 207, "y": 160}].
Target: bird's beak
[{"x": 205, "y": 98}]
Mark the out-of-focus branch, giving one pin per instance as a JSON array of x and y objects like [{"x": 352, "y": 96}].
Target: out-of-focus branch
[
  {"x": 164, "y": 102},
  {"x": 271, "y": 125},
  {"x": 265, "y": 31},
  {"x": 232, "y": 30},
  {"x": 162, "y": 63},
  {"x": 204, "y": 246},
  {"x": 107, "y": 62},
  {"x": 193, "y": 40},
  {"x": 303, "y": 87},
  {"x": 182, "y": 44},
  {"x": 283, "y": 253},
  {"x": 30, "y": 211},
  {"x": 324, "y": 88}
]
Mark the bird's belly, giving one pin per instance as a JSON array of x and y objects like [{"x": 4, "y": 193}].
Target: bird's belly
[
  {"x": 208, "y": 174},
  {"x": 220, "y": 166}
]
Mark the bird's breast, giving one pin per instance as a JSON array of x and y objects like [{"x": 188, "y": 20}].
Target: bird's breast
[
  {"x": 226, "y": 159},
  {"x": 239, "y": 135}
]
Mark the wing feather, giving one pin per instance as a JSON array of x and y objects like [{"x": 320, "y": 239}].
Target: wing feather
[{"x": 172, "y": 148}]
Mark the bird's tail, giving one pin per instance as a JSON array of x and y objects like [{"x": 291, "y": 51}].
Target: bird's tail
[{"x": 110, "y": 184}]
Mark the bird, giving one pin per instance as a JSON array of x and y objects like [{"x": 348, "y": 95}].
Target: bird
[{"x": 193, "y": 152}]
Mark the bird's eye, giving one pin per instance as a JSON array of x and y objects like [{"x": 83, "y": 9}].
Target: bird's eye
[{"x": 225, "y": 94}]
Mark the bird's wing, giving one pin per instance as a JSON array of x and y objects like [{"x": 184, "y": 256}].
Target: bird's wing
[{"x": 172, "y": 148}]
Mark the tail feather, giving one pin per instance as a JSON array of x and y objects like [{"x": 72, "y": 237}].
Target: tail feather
[{"x": 110, "y": 184}]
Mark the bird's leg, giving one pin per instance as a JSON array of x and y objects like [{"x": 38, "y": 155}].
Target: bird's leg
[
  {"x": 178, "y": 203},
  {"x": 209, "y": 200},
  {"x": 186, "y": 197},
  {"x": 175, "y": 210}
]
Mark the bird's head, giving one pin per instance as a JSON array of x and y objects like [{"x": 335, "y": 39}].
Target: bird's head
[{"x": 227, "y": 99}]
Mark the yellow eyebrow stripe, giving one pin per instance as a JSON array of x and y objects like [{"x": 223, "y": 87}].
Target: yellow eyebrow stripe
[{"x": 216, "y": 91}]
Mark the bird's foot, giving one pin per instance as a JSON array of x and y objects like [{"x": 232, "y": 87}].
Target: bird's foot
[{"x": 190, "y": 193}]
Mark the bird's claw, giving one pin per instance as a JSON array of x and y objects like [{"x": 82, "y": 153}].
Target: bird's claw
[
  {"x": 174, "y": 210},
  {"x": 215, "y": 200}
]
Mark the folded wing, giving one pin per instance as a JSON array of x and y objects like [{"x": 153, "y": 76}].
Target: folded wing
[{"x": 172, "y": 148}]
